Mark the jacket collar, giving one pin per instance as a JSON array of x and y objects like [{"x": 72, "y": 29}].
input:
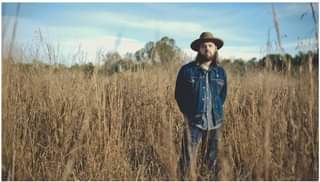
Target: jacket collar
[{"x": 212, "y": 66}]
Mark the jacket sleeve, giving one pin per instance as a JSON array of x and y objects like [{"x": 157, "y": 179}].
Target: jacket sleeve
[
  {"x": 224, "y": 88},
  {"x": 179, "y": 91}
]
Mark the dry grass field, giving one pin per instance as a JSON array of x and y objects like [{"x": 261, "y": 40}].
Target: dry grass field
[{"x": 62, "y": 125}]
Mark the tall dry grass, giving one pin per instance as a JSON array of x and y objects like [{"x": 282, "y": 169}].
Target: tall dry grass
[{"x": 61, "y": 125}]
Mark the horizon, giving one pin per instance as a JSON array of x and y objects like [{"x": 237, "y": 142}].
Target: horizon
[{"x": 127, "y": 27}]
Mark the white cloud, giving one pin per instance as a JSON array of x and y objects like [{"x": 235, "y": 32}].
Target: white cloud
[
  {"x": 96, "y": 36},
  {"x": 246, "y": 53},
  {"x": 90, "y": 39},
  {"x": 184, "y": 28},
  {"x": 176, "y": 29},
  {"x": 106, "y": 44}
]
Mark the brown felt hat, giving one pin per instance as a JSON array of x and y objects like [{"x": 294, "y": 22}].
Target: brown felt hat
[{"x": 206, "y": 37}]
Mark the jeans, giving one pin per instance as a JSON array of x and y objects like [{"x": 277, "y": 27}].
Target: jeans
[{"x": 196, "y": 141}]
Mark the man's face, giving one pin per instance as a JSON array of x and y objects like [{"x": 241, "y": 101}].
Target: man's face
[{"x": 208, "y": 49}]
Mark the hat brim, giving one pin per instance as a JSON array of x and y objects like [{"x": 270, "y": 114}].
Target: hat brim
[{"x": 195, "y": 45}]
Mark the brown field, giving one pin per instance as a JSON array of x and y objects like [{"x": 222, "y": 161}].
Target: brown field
[{"x": 61, "y": 125}]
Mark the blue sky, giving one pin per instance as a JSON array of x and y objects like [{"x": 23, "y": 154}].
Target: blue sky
[{"x": 126, "y": 27}]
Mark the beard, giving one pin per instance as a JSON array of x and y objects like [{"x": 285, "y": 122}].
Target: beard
[{"x": 206, "y": 58}]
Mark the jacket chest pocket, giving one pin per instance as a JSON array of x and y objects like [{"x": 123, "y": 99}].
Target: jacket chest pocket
[
  {"x": 193, "y": 83},
  {"x": 190, "y": 80},
  {"x": 193, "y": 79},
  {"x": 219, "y": 83}
]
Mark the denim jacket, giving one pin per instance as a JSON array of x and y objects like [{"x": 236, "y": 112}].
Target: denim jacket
[{"x": 190, "y": 92}]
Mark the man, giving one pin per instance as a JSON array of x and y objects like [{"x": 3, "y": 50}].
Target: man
[{"x": 201, "y": 89}]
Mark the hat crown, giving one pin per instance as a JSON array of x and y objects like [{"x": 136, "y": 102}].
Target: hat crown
[{"x": 206, "y": 35}]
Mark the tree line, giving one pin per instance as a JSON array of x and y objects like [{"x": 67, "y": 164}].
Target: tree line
[{"x": 166, "y": 52}]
